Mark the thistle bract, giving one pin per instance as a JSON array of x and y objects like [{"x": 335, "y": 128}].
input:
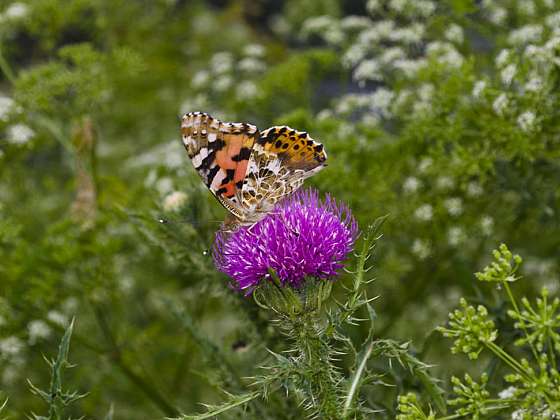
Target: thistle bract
[{"x": 302, "y": 237}]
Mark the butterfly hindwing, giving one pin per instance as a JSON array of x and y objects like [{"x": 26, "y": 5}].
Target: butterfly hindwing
[{"x": 220, "y": 153}]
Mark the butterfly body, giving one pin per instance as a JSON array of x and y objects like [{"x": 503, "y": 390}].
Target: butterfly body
[{"x": 247, "y": 170}]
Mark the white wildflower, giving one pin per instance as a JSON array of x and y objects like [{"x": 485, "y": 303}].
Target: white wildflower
[
  {"x": 317, "y": 25},
  {"x": 398, "y": 5},
  {"x": 381, "y": 101},
  {"x": 408, "y": 35},
  {"x": 507, "y": 393},
  {"x": 454, "y": 34},
  {"x": 367, "y": 70},
  {"x": 16, "y": 11},
  {"x": 254, "y": 50},
  {"x": 355, "y": 23},
  {"x": 553, "y": 20},
  {"x": 445, "y": 53},
  {"x": 247, "y": 90},
  {"x": 57, "y": 317},
  {"x": 334, "y": 36},
  {"x": 518, "y": 414},
  {"x": 535, "y": 84},
  {"x": 354, "y": 54},
  {"x": 424, "y": 213},
  {"x": 526, "y": 121},
  {"x": 421, "y": 249},
  {"x": 454, "y": 206},
  {"x": 498, "y": 16},
  {"x": 20, "y": 134},
  {"x": 487, "y": 225},
  {"x": 474, "y": 189},
  {"x": 508, "y": 73},
  {"x": 223, "y": 83},
  {"x": 175, "y": 201},
  {"x": 527, "y": 8},
  {"x": 503, "y": 58},
  {"x": 252, "y": 65},
  {"x": 409, "y": 67},
  {"x": 6, "y": 107},
  {"x": 455, "y": 236},
  {"x": 424, "y": 8},
  {"x": 38, "y": 330},
  {"x": 478, "y": 88},
  {"x": 373, "y": 6},
  {"x": 425, "y": 164},
  {"x": 411, "y": 184},
  {"x": 536, "y": 53},
  {"x": 370, "y": 120},
  {"x": 391, "y": 54},
  {"x": 11, "y": 346},
  {"x": 221, "y": 62},
  {"x": 200, "y": 79},
  {"x": 500, "y": 104},
  {"x": 525, "y": 34},
  {"x": 444, "y": 182},
  {"x": 325, "y": 114}
]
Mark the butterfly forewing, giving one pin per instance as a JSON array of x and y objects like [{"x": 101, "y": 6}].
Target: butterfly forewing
[{"x": 220, "y": 154}]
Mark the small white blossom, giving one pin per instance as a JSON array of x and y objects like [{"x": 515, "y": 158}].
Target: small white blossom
[
  {"x": 425, "y": 164},
  {"x": 317, "y": 25},
  {"x": 6, "y": 107},
  {"x": 370, "y": 120},
  {"x": 20, "y": 134},
  {"x": 474, "y": 189},
  {"x": 391, "y": 54},
  {"x": 421, "y": 249},
  {"x": 223, "y": 83},
  {"x": 535, "y": 84},
  {"x": 252, "y": 65},
  {"x": 38, "y": 330},
  {"x": 478, "y": 88},
  {"x": 454, "y": 34},
  {"x": 409, "y": 67},
  {"x": 11, "y": 346},
  {"x": 373, "y": 6},
  {"x": 254, "y": 50},
  {"x": 444, "y": 182},
  {"x": 500, "y": 104},
  {"x": 508, "y": 73},
  {"x": 525, "y": 34},
  {"x": 324, "y": 115},
  {"x": 175, "y": 201},
  {"x": 355, "y": 23},
  {"x": 221, "y": 62},
  {"x": 498, "y": 16},
  {"x": 454, "y": 206},
  {"x": 526, "y": 121},
  {"x": 487, "y": 225},
  {"x": 507, "y": 393},
  {"x": 553, "y": 20},
  {"x": 502, "y": 58},
  {"x": 16, "y": 11},
  {"x": 518, "y": 414},
  {"x": 200, "y": 79},
  {"x": 381, "y": 100},
  {"x": 408, "y": 35},
  {"x": 354, "y": 54},
  {"x": 367, "y": 70},
  {"x": 398, "y": 5},
  {"x": 411, "y": 184},
  {"x": 527, "y": 8},
  {"x": 424, "y": 8},
  {"x": 247, "y": 90},
  {"x": 424, "y": 213},
  {"x": 57, "y": 317},
  {"x": 455, "y": 236}
]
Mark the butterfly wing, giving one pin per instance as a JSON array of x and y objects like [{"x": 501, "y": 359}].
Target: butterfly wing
[
  {"x": 281, "y": 159},
  {"x": 220, "y": 153}
]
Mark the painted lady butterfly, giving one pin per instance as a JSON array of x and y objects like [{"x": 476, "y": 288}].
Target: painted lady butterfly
[{"x": 249, "y": 171}]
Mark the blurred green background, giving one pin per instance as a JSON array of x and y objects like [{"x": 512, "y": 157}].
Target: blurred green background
[{"x": 442, "y": 115}]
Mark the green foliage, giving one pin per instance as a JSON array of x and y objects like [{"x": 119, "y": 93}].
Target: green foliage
[{"x": 443, "y": 115}]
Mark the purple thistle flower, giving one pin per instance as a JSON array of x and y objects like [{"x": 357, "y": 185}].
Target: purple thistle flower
[{"x": 303, "y": 236}]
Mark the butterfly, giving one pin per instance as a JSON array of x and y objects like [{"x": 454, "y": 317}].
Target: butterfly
[{"x": 248, "y": 170}]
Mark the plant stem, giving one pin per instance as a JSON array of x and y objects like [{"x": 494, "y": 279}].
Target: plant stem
[
  {"x": 356, "y": 379},
  {"x": 316, "y": 369}
]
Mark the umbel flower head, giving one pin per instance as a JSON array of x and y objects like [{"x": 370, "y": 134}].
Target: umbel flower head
[{"x": 302, "y": 237}]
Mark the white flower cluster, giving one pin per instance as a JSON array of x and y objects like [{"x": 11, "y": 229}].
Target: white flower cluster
[
  {"x": 227, "y": 72},
  {"x": 14, "y": 12},
  {"x": 19, "y": 134}
]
